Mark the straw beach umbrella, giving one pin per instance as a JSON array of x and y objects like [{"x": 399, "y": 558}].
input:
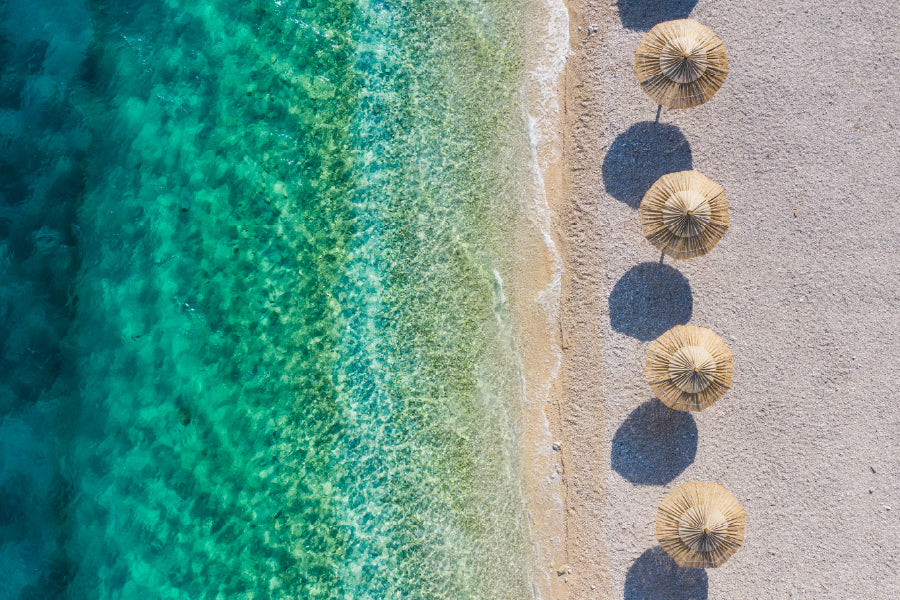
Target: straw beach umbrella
[
  {"x": 684, "y": 214},
  {"x": 700, "y": 525},
  {"x": 681, "y": 64},
  {"x": 689, "y": 368}
]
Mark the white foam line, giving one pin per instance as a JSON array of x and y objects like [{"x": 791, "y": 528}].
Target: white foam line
[{"x": 544, "y": 118}]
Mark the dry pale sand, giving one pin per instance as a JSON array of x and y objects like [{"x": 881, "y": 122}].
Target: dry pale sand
[{"x": 805, "y": 288}]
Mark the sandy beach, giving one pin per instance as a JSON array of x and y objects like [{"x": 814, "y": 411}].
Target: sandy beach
[{"x": 804, "y": 288}]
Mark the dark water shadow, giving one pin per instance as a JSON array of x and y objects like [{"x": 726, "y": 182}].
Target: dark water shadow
[
  {"x": 44, "y": 171},
  {"x": 644, "y": 14},
  {"x": 650, "y": 299},
  {"x": 654, "y": 444},
  {"x": 655, "y": 576},
  {"x": 642, "y": 154}
]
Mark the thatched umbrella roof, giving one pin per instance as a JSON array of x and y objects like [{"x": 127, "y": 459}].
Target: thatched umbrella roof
[
  {"x": 684, "y": 214},
  {"x": 681, "y": 64},
  {"x": 688, "y": 367},
  {"x": 700, "y": 525}
]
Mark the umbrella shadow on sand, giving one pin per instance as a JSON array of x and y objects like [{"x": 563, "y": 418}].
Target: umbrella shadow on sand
[
  {"x": 650, "y": 299},
  {"x": 642, "y": 154},
  {"x": 654, "y": 444},
  {"x": 644, "y": 14},
  {"x": 654, "y": 575}
]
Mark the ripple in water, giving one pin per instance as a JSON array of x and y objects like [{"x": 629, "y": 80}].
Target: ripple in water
[{"x": 253, "y": 341}]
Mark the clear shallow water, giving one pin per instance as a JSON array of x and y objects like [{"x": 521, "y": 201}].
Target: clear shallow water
[{"x": 253, "y": 336}]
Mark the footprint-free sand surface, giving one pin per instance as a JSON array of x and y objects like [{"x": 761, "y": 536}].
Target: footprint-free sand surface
[{"x": 805, "y": 289}]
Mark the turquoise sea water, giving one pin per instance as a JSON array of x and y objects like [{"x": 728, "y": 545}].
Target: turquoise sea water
[{"x": 254, "y": 337}]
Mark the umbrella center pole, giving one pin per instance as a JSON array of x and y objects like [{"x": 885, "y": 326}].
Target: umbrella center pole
[
  {"x": 701, "y": 528},
  {"x": 683, "y": 60},
  {"x": 692, "y": 369},
  {"x": 686, "y": 213}
]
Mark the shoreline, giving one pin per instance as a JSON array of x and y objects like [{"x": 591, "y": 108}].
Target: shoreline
[
  {"x": 538, "y": 268},
  {"x": 564, "y": 418}
]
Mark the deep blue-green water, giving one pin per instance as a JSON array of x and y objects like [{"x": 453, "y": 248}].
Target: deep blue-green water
[{"x": 253, "y": 336}]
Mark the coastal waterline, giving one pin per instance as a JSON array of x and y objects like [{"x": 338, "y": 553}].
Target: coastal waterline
[{"x": 288, "y": 368}]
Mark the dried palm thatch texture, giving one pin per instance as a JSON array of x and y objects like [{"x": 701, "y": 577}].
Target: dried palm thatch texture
[
  {"x": 681, "y": 64},
  {"x": 688, "y": 367},
  {"x": 684, "y": 214},
  {"x": 700, "y": 525}
]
